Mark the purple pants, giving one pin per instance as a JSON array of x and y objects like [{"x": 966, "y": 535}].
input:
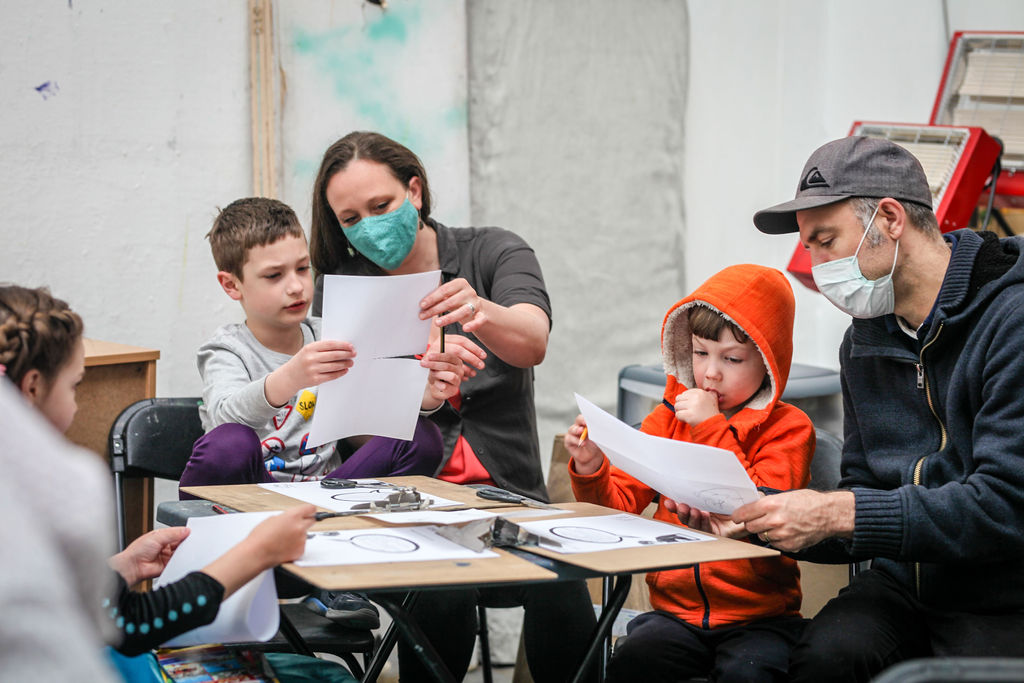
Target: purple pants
[{"x": 232, "y": 454}]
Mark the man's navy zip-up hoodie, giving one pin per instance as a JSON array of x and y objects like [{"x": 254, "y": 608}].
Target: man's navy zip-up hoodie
[{"x": 934, "y": 436}]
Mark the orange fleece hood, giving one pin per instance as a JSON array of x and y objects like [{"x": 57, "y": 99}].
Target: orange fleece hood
[{"x": 760, "y": 301}]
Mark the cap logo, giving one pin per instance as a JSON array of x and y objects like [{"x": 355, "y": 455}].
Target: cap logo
[{"x": 813, "y": 179}]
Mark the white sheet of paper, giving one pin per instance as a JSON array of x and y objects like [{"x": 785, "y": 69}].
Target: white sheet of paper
[
  {"x": 379, "y": 315},
  {"x": 436, "y": 517},
  {"x": 704, "y": 477},
  {"x": 251, "y": 613},
  {"x": 371, "y": 546},
  {"x": 341, "y": 500},
  {"x": 608, "y": 532},
  {"x": 380, "y": 394}
]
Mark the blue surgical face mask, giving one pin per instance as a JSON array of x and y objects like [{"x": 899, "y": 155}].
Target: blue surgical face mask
[
  {"x": 388, "y": 238},
  {"x": 844, "y": 285}
]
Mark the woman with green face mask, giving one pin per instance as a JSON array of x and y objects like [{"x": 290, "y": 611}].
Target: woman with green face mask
[{"x": 371, "y": 216}]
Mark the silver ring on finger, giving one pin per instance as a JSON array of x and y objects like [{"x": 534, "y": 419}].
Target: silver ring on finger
[{"x": 472, "y": 309}]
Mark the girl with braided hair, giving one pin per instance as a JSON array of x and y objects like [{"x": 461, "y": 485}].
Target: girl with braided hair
[{"x": 42, "y": 353}]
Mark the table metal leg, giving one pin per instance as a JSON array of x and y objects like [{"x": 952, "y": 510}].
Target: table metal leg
[
  {"x": 387, "y": 641},
  {"x": 612, "y": 605},
  {"x": 413, "y": 634},
  {"x": 606, "y": 650}
]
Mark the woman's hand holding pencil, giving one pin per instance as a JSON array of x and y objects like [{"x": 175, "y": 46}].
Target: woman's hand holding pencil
[{"x": 469, "y": 352}]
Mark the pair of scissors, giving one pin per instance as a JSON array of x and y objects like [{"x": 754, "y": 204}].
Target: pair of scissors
[
  {"x": 335, "y": 483},
  {"x": 503, "y": 496}
]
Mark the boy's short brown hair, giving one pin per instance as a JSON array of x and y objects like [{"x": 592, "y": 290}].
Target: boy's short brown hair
[
  {"x": 708, "y": 323},
  {"x": 247, "y": 223}
]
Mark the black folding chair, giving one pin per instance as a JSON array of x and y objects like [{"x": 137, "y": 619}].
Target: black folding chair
[
  {"x": 151, "y": 438},
  {"x": 154, "y": 438}
]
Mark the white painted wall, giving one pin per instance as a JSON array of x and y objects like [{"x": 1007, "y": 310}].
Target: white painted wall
[
  {"x": 577, "y": 140},
  {"x": 769, "y": 83},
  {"x": 111, "y": 176},
  {"x": 656, "y": 118},
  {"x": 348, "y": 66}
]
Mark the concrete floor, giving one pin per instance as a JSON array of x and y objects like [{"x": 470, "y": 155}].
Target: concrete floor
[
  {"x": 504, "y": 626},
  {"x": 499, "y": 674}
]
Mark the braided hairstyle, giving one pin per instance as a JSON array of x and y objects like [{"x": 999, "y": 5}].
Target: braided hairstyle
[{"x": 37, "y": 332}]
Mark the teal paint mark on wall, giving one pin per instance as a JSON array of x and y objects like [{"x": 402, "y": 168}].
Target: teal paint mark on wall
[
  {"x": 457, "y": 116},
  {"x": 306, "y": 167},
  {"x": 376, "y": 74},
  {"x": 361, "y": 65},
  {"x": 390, "y": 26}
]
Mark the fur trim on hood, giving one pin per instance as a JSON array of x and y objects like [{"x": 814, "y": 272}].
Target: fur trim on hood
[{"x": 757, "y": 299}]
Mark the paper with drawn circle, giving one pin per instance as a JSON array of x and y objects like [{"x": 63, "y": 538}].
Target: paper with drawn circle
[
  {"x": 608, "y": 532},
  {"x": 392, "y": 544},
  {"x": 385, "y": 543},
  {"x": 341, "y": 500},
  {"x": 585, "y": 534}
]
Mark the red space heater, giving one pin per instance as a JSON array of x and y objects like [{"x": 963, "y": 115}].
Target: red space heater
[
  {"x": 981, "y": 96},
  {"x": 983, "y": 86}
]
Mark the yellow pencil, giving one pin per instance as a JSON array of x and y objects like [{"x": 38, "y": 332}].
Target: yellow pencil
[{"x": 583, "y": 436}]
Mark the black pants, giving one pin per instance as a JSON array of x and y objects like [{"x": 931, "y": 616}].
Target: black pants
[
  {"x": 875, "y": 622},
  {"x": 663, "y": 648},
  {"x": 558, "y": 622}
]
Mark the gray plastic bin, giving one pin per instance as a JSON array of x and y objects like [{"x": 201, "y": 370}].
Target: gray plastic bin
[{"x": 641, "y": 388}]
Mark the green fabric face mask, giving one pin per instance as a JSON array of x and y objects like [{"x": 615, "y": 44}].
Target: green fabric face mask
[{"x": 388, "y": 238}]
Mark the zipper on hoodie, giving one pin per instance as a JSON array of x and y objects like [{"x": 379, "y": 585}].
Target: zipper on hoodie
[
  {"x": 922, "y": 383},
  {"x": 705, "y": 621}
]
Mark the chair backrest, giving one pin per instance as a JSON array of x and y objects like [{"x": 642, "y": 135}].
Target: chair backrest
[
  {"x": 151, "y": 438},
  {"x": 154, "y": 437},
  {"x": 828, "y": 452}
]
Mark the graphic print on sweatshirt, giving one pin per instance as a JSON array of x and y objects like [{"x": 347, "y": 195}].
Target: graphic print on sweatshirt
[{"x": 285, "y": 454}]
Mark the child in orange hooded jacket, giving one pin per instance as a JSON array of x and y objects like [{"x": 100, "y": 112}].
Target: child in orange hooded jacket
[{"x": 727, "y": 351}]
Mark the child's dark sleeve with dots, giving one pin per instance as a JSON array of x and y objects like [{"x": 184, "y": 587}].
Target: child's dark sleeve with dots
[{"x": 147, "y": 620}]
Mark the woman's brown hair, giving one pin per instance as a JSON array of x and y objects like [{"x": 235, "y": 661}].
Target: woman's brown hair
[
  {"x": 328, "y": 246},
  {"x": 37, "y": 332}
]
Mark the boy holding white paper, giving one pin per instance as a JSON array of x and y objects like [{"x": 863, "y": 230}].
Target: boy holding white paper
[
  {"x": 260, "y": 377},
  {"x": 727, "y": 351}
]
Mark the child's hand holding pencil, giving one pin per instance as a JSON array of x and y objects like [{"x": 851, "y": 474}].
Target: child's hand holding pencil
[{"x": 587, "y": 458}]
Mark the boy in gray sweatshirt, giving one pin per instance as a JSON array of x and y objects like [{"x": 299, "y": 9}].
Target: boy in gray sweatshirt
[{"x": 260, "y": 377}]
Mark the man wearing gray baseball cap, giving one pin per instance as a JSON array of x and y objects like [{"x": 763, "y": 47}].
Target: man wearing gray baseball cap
[{"x": 932, "y": 488}]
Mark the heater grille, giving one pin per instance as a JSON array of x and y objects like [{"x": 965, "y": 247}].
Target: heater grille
[
  {"x": 983, "y": 87},
  {"x": 938, "y": 149}
]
